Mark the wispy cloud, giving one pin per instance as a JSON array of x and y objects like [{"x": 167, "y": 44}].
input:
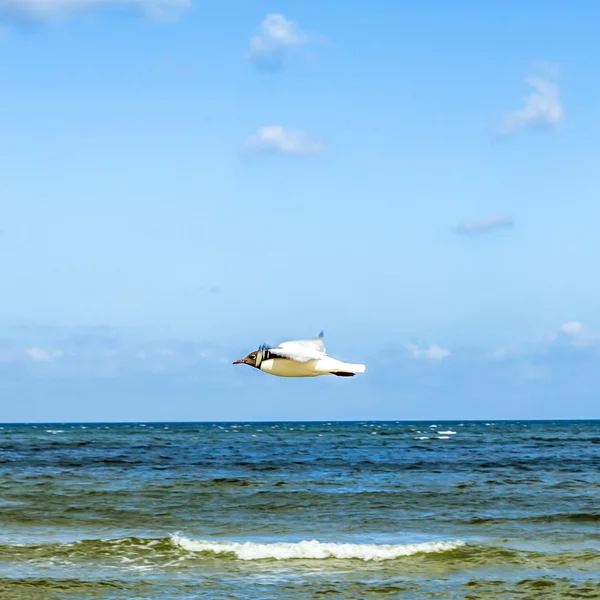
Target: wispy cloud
[
  {"x": 275, "y": 37},
  {"x": 107, "y": 352},
  {"x": 572, "y": 334},
  {"x": 49, "y": 10},
  {"x": 430, "y": 352},
  {"x": 541, "y": 109},
  {"x": 575, "y": 334},
  {"x": 41, "y": 355},
  {"x": 484, "y": 225},
  {"x": 278, "y": 140}
]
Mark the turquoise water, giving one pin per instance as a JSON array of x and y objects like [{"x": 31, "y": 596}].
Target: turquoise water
[{"x": 300, "y": 510}]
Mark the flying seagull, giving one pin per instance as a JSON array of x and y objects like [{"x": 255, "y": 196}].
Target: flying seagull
[{"x": 301, "y": 358}]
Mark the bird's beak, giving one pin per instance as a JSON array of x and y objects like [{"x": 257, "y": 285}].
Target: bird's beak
[{"x": 238, "y": 362}]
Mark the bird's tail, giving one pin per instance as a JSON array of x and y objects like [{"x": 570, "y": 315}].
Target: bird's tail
[{"x": 348, "y": 370}]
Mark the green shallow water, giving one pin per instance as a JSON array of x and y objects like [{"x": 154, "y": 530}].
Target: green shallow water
[{"x": 291, "y": 510}]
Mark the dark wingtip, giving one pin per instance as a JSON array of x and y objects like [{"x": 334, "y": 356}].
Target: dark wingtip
[{"x": 320, "y": 335}]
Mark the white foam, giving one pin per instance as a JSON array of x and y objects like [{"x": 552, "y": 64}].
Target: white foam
[
  {"x": 55, "y": 431},
  {"x": 312, "y": 549},
  {"x": 423, "y": 437},
  {"x": 447, "y": 432},
  {"x": 443, "y": 437}
]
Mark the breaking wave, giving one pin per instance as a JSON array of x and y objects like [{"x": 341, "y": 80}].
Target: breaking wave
[
  {"x": 312, "y": 549},
  {"x": 179, "y": 552},
  {"x": 168, "y": 551}
]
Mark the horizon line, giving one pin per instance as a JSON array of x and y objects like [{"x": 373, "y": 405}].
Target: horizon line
[{"x": 320, "y": 421}]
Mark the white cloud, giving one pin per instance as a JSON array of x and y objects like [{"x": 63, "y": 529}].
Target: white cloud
[
  {"x": 576, "y": 334},
  {"x": 278, "y": 140},
  {"x": 276, "y": 35},
  {"x": 542, "y": 107},
  {"x": 503, "y": 352},
  {"x": 41, "y": 355},
  {"x": 485, "y": 225},
  {"x": 570, "y": 333},
  {"x": 572, "y": 328},
  {"x": 47, "y": 10},
  {"x": 431, "y": 352}
]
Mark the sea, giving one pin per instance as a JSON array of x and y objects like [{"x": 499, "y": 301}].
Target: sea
[{"x": 352, "y": 510}]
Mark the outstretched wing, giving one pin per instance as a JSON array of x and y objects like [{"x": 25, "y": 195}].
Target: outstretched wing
[{"x": 301, "y": 350}]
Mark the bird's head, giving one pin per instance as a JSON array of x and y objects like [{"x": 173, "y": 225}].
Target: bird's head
[{"x": 250, "y": 359}]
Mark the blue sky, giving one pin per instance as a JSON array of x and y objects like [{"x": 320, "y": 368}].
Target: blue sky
[{"x": 183, "y": 180}]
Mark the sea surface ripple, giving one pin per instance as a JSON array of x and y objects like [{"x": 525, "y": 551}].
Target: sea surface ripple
[{"x": 355, "y": 510}]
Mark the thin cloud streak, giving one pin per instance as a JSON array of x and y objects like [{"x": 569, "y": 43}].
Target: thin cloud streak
[
  {"x": 52, "y": 10},
  {"x": 278, "y": 140},
  {"x": 484, "y": 225},
  {"x": 431, "y": 352}
]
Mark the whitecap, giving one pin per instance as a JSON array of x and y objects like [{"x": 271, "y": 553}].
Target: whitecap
[
  {"x": 423, "y": 437},
  {"x": 447, "y": 432},
  {"x": 443, "y": 437},
  {"x": 312, "y": 549},
  {"x": 55, "y": 431}
]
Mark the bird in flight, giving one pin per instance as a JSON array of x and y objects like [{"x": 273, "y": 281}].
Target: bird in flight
[{"x": 300, "y": 358}]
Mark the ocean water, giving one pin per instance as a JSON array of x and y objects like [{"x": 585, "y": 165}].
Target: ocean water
[{"x": 359, "y": 510}]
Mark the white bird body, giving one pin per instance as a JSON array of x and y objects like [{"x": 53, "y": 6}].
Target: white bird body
[
  {"x": 283, "y": 367},
  {"x": 300, "y": 358}
]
